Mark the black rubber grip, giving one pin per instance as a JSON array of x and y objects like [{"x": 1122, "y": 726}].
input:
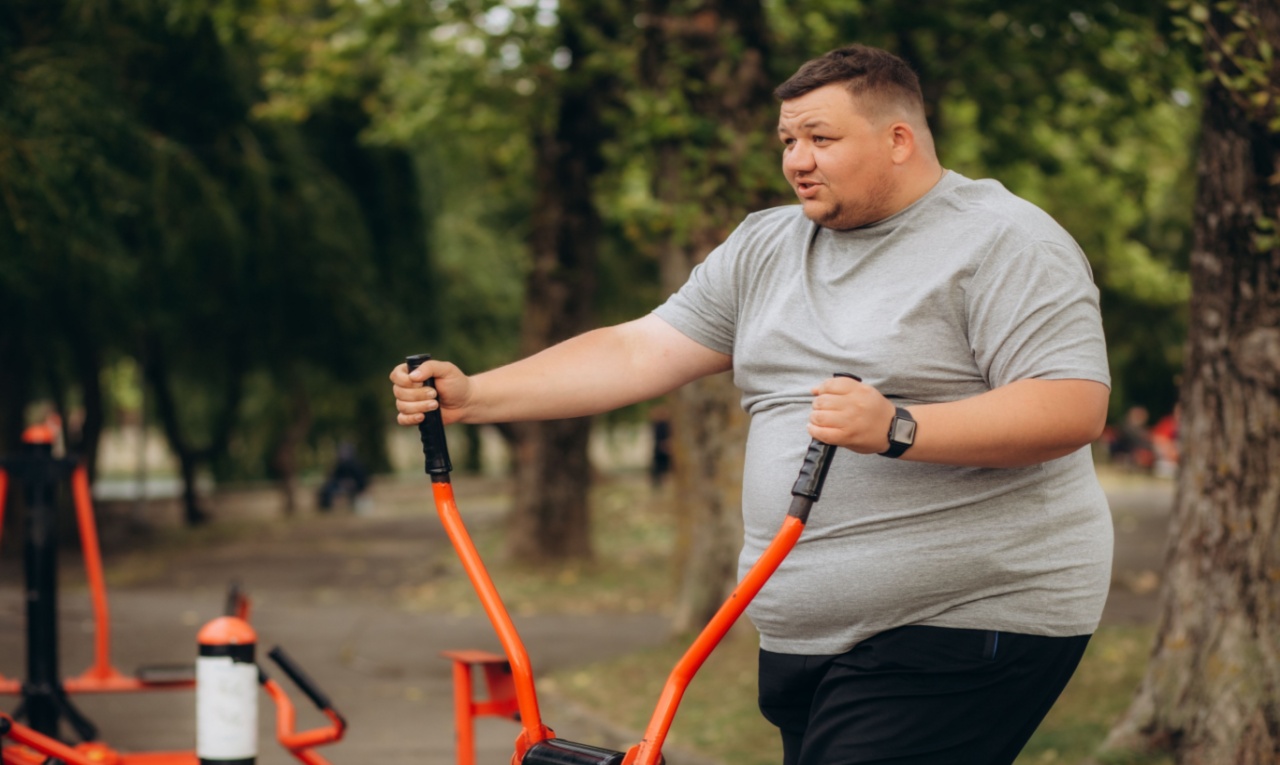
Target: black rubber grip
[
  {"x": 817, "y": 461},
  {"x": 813, "y": 473},
  {"x": 300, "y": 678},
  {"x": 435, "y": 449}
]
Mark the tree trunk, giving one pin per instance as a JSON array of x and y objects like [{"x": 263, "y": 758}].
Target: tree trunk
[
  {"x": 1211, "y": 694},
  {"x": 190, "y": 457},
  {"x": 713, "y": 54},
  {"x": 550, "y": 518},
  {"x": 284, "y": 457},
  {"x": 88, "y": 368}
]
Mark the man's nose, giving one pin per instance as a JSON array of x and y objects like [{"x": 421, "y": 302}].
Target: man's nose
[{"x": 798, "y": 158}]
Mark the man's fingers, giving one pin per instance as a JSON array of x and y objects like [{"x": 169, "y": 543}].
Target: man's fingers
[{"x": 403, "y": 393}]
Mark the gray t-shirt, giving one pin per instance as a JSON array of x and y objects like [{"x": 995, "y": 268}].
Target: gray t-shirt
[{"x": 968, "y": 289}]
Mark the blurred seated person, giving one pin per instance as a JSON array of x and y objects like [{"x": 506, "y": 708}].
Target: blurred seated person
[
  {"x": 1132, "y": 442},
  {"x": 348, "y": 478},
  {"x": 660, "y": 463},
  {"x": 1165, "y": 444}
]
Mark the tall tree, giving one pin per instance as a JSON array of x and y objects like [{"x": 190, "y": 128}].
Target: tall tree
[
  {"x": 551, "y": 519},
  {"x": 1211, "y": 693},
  {"x": 67, "y": 180},
  {"x": 513, "y": 106},
  {"x": 705, "y": 113},
  {"x": 141, "y": 206}
]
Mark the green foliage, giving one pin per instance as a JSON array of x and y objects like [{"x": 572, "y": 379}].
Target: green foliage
[
  {"x": 147, "y": 214},
  {"x": 1086, "y": 110},
  {"x": 1237, "y": 54},
  {"x": 1089, "y": 111},
  {"x": 266, "y": 180}
]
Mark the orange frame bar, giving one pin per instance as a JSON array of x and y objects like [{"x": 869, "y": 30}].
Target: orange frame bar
[
  {"x": 500, "y": 689},
  {"x": 35, "y": 749},
  {"x": 101, "y": 676},
  {"x": 533, "y": 730},
  {"x": 649, "y": 750},
  {"x": 299, "y": 744}
]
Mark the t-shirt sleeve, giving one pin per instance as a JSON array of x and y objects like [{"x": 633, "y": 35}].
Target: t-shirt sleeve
[
  {"x": 706, "y": 307},
  {"x": 1034, "y": 313}
]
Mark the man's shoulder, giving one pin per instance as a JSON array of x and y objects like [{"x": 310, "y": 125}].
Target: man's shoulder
[
  {"x": 999, "y": 210},
  {"x": 765, "y": 232}
]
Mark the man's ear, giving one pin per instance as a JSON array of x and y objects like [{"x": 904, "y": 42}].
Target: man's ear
[{"x": 903, "y": 138}]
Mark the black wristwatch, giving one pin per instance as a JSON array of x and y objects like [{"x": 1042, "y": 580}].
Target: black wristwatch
[{"x": 902, "y": 434}]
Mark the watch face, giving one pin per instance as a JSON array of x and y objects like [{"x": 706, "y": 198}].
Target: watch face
[{"x": 904, "y": 431}]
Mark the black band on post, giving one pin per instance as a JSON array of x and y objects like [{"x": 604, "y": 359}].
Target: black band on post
[{"x": 435, "y": 448}]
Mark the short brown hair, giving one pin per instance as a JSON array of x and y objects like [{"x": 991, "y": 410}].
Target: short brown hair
[{"x": 864, "y": 71}]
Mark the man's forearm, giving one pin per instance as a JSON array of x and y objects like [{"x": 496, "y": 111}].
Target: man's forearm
[
  {"x": 1024, "y": 423},
  {"x": 595, "y": 372}
]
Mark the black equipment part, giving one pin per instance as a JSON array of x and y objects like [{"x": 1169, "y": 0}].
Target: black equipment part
[
  {"x": 434, "y": 447},
  {"x": 44, "y": 703},
  {"x": 302, "y": 679},
  {"x": 555, "y": 751}
]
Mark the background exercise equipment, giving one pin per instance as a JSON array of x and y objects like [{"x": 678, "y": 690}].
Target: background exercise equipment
[{"x": 44, "y": 695}]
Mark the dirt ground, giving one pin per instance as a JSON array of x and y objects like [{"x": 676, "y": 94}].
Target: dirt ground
[{"x": 329, "y": 589}]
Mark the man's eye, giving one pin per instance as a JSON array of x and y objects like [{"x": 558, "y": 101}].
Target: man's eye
[{"x": 820, "y": 139}]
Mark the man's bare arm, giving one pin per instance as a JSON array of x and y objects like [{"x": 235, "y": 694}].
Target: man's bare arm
[
  {"x": 1024, "y": 423},
  {"x": 595, "y": 372}
]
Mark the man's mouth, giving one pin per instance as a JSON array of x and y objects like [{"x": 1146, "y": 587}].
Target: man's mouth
[{"x": 806, "y": 189}]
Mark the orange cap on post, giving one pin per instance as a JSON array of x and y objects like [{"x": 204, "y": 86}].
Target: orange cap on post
[{"x": 227, "y": 630}]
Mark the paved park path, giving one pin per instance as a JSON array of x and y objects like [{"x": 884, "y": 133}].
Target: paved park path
[{"x": 325, "y": 588}]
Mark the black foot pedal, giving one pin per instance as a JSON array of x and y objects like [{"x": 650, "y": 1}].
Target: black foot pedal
[{"x": 554, "y": 751}]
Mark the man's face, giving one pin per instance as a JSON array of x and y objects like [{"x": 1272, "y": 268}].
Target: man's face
[{"x": 839, "y": 162}]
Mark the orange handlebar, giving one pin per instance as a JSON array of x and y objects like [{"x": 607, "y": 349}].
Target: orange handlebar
[{"x": 521, "y": 670}]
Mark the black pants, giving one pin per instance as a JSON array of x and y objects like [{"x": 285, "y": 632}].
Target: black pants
[{"x": 917, "y": 696}]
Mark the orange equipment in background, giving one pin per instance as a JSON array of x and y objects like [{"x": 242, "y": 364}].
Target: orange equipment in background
[{"x": 44, "y": 694}]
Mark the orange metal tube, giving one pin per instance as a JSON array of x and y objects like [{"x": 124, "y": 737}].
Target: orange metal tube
[
  {"x": 649, "y": 750},
  {"x": 464, "y": 734},
  {"x": 101, "y": 669},
  {"x": 297, "y": 743},
  {"x": 521, "y": 670},
  {"x": 46, "y": 746}
]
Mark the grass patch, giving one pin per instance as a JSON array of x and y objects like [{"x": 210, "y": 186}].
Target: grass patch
[{"x": 1095, "y": 698}]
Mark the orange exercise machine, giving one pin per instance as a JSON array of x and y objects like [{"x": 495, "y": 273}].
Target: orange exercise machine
[
  {"x": 45, "y": 696},
  {"x": 536, "y": 743}
]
